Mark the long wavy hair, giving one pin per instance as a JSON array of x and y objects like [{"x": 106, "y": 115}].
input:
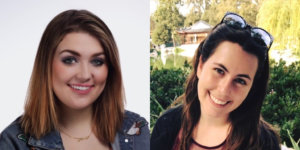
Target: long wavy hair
[
  {"x": 246, "y": 122},
  {"x": 41, "y": 114}
]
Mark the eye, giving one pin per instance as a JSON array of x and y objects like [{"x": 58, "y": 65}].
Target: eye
[
  {"x": 97, "y": 62},
  {"x": 240, "y": 81},
  {"x": 69, "y": 60},
  {"x": 219, "y": 71}
]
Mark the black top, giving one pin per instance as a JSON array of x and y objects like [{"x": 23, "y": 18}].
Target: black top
[
  {"x": 168, "y": 126},
  {"x": 166, "y": 129}
]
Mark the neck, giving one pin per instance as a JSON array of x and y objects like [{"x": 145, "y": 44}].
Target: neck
[
  {"x": 75, "y": 121},
  {"x": 214, "y": 121},
  {"x": 211, "y": 130}
]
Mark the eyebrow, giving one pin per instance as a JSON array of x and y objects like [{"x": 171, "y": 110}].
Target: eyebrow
[
  {"x": 226, "y": 70},
  {"x": 77, "y": 54}
]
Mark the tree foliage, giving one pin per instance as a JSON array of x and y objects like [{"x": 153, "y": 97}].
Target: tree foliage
[
  {"x": 193, "y": 16},
  {"x": 167, "y": 20},
  {"x": 282, "y": 19},
  {"x": 152, "y": 24},
  {"x": 212, "y": 11},
  {"x": 195, "y": 12}
]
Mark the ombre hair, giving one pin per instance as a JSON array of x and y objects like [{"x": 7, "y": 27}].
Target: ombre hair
[
  {"x": 247, "y": 127},
  {"x": 41, "y": 114}
]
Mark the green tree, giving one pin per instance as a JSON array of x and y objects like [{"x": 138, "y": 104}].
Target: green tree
[
  {"x": 152, "y": 24},
  {"x": 214, "y": 10},
  {"x": 161, "y": 34},
  {"x": 281, "y": 18},
  {"x": 167, "y": 20},
  {"x": 193, "y": 16},
  {"x": 197, "y": 6}
]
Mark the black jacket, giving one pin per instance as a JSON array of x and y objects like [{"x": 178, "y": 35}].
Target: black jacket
[{"x": 168, "y": 125}]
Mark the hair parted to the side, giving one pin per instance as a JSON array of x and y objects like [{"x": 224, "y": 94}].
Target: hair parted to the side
[
  {"x": 41, "y": 110},
  {"x": 246, "y": 122}
]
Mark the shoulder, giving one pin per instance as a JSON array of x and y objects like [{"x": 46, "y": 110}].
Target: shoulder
[
  {"x": 171, "y": 116},
  {"x": 173, "y": 112},
  {"x": 13, "y": 137},
  {"x": 131, "y": 118},
  {"x": 166, "y": 129},
  {"x": 135, "y": 132},
  {"x": 269, "y": 138}
]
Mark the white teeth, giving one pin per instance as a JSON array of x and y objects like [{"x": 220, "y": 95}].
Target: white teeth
[
  {"x": 82, "y": 88},
  {"x": 217, "y": 101}
]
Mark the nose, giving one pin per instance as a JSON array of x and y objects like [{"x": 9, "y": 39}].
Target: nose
[
  {"x": 84, "y": 73},
  {"x": 225, "y": 87}
]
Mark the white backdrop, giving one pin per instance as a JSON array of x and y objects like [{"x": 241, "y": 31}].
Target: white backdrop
[{"x": 23, "y": 22}]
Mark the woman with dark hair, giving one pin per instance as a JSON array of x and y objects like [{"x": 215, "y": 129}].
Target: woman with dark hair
[
  {"x": 224, "y": 94},
  {"x": 75, "y": 98}
]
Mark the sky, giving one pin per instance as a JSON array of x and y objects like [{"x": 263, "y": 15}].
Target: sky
[
  {"x": 22, "y": 25},
  {"x": 184, "y": 10}
]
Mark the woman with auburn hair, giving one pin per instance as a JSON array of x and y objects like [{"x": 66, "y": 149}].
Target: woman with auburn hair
[
  {"x": 76, "y": 98},
  {"x": 224, "y": 94}
]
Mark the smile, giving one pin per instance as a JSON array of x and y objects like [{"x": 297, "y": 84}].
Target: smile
[
  {"x": 82, "y": 88},
  {"x": 217, "y": 101}
]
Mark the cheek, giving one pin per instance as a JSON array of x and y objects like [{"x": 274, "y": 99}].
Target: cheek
[
  {"x": 242, "y": 94},
  {"x": 57, "y": 70},
  {"x": 101, "y": 74},
  {"x": 60, "y": 72},
  {"x": 206, "y": 80}
]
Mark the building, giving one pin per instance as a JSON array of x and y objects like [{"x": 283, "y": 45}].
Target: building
[{"x": 195, "y": 33}]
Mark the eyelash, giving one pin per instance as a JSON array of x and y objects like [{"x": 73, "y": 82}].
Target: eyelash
[
  {"x": 71, "y": 60},
  {"x": 97, "y": 62},
  {"x": 219, "y": 71},
  {"x": 240, "y": 81}
]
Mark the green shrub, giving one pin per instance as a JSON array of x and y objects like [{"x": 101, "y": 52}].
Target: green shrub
[
  {"x": 282, "y": 104},
  {"x": 165, "y": 86}
]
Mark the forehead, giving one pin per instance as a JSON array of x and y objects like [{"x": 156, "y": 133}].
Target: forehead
[
  {"x": 234, "y": 58},
  {"x": 80, "y": 42}
]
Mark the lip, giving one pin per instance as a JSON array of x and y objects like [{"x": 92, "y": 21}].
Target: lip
[
  {"x": 81, "y": 89},
  {"x": 218, "y": 105}
]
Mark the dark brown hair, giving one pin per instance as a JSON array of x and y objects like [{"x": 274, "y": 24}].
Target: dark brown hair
[
  {"x": 246, "y": 123},
  {"x": 41, "y": 110}
]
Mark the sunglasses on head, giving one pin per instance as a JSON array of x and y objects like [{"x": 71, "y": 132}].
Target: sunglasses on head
[{"x": 238, "y": 22}]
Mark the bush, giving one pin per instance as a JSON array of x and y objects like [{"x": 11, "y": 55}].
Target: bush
[
  {"x": 165, "y": 86},
  {"x": 282, "y": 104}
]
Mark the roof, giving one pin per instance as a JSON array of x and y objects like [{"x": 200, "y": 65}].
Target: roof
[{"x": 200, "y": 26}]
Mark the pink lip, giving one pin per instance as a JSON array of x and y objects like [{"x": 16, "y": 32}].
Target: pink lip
[{"x": 81, "y": 92}]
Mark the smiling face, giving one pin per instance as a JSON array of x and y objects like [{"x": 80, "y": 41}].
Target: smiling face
[
  {"x": 79, "y": 70},
  {"x": 225, "y": 79}
]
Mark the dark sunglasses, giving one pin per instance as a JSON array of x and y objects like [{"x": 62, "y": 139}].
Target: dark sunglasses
[{"x": 238, "y": 22}]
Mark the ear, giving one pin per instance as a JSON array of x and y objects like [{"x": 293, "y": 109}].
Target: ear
[{"x": 199, "y": 67}]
